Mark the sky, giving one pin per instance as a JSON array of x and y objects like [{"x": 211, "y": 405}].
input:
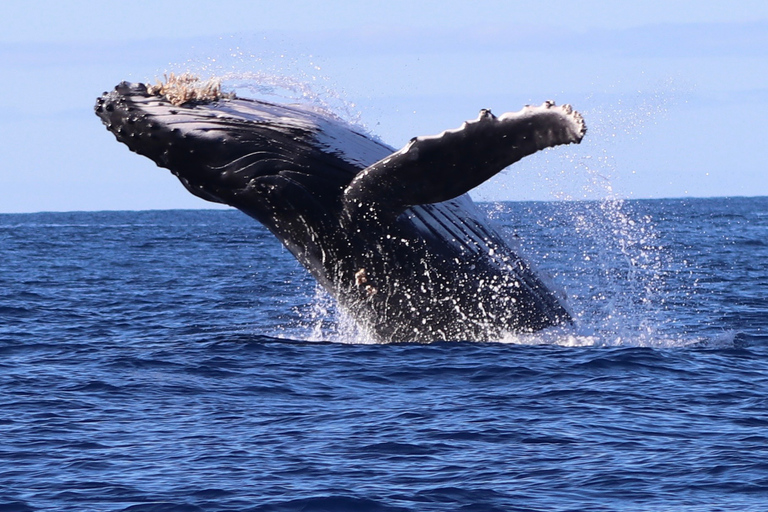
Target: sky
[{"x": 675, "y": 94}]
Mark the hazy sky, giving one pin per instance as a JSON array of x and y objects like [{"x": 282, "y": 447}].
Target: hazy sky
[{"x": 675, "y": 93}]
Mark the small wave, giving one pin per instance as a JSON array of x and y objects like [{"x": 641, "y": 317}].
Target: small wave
[
  {"x": 339, "y": 503},
  {"x": 14, "y": 506},
  {"x": 163, "y": 507},
  {"x": 393, "y": 448}
]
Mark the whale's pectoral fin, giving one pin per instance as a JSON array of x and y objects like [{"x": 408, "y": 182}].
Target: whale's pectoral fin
[{"x": 437, "y": 168}]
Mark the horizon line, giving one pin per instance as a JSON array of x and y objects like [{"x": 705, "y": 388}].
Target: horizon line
[{"x": 554, "y": 200}]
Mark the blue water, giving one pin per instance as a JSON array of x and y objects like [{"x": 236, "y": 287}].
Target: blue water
[{"x": 183, "y": 361}]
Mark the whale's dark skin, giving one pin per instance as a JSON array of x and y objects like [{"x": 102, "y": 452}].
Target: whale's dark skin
[{"x": 390, "y": 234}]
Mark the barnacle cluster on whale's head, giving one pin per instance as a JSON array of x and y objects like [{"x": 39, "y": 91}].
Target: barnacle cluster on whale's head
[{"x": 188, "y": 88}]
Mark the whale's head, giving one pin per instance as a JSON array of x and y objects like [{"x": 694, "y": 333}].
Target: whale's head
[
  {"x": 183, "y": 138},
  {"x": 225, "y": 149}
]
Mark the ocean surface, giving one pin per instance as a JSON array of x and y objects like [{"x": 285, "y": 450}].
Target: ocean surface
[{"x": 183, "y": 361}]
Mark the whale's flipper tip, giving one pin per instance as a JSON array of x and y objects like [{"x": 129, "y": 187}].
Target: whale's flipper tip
[{"x": 570, "y": 115}]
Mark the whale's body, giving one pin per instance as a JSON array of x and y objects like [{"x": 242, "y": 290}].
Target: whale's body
[{"x": 391, "y": 234}]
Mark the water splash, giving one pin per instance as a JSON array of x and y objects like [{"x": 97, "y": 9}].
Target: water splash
[
  {"x": 272, "y": 75},
  {"x": 621, "y": 273},
  {"x": 324, "y": 321},
  {"x": 648, "y": 338}
]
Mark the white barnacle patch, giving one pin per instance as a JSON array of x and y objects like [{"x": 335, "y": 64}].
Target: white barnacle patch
[
  {"x": 361, "y": 281},
  {"x": 186, "y": 88}
]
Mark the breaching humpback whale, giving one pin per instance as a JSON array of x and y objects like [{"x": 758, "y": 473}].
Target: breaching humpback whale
[{"x": 392, "y": 235}]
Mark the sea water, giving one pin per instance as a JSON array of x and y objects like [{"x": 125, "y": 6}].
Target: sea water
[{"x": 183, "y": 361}]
